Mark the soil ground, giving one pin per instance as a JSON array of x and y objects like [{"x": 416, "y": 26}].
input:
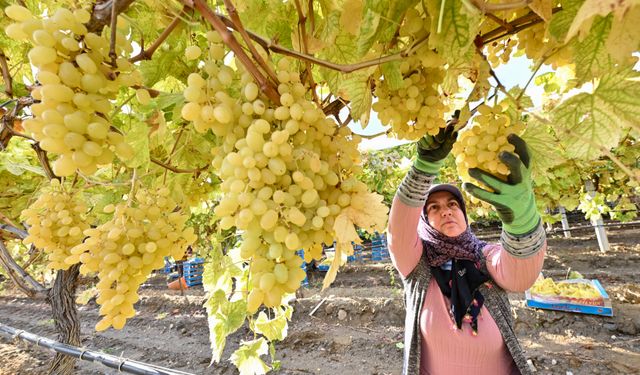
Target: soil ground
[{"x": 358, "y": 327}]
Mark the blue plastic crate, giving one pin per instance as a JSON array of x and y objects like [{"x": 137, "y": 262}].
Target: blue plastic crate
[
  {"x": 192, "y": 271},
  {"x": 300, "y": 253}
]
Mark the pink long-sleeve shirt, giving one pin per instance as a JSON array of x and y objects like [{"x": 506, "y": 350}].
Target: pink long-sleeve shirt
[{"x": 444, "y": 348}]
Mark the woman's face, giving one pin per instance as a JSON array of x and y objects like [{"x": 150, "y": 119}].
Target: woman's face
[{"x": 445, "y": 215}]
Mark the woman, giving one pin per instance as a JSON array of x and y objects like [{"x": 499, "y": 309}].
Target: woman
[{"x": 458, "y": 318}]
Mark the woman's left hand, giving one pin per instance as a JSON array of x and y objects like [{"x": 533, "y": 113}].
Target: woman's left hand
[{"x": 514, "y": 200}]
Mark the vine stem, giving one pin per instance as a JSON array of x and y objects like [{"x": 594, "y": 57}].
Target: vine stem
[
  {"x": 146, "y": 54},
  {"x": 6, "y": 75},
  {"x": 372, "y": 136},
  {"x": 175, "y": 169},
  {"x": 240, "y": 28},
  {"x": 499, "y": 84},
  {"x": 343, "y": 68},
  {"x": 302, "y": 19},
  {"x": 114, "y": 22},
  {"x": 484, "y": 6},
  {"x": 235, "y": 46},
  {"x": 509, "y": 28},
  {"x": 535, "y": 71}
]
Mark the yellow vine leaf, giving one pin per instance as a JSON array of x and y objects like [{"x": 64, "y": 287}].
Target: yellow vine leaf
[
  {"x": 624, "y": 35},
  {"x": 351, "y": 16},
  {"x": 542, "y": 8},
  {"x": 591, "y": 8},
  {"x": 371, "y": 215},
  {"x": 314, "y": 45}
]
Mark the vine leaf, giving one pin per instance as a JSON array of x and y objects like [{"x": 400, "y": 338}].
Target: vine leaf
[
  {"x": 224, "y": 318},
  {"x": 369, "y": 27},
  {"x": 351, "y": 16},
  {"x": 592, "y": 8},
  {"x": 591, "y": 56},
  {"x": 219, "y": 271},
  {"x": 542, "y": 8},
  {"x": 343, "y": 50},
  {"x": 541, "y": 144},
  {"x": 392, "y": 75},
  {"x": 372, "y": 218},
  {"x": 357, "y": 89},
  {"x": 624, "y": 37},
  {"x": 599, "y": 119},
  {"x": 247, "y": 357},
  {"x": 272, "y": 329},
  {"x": 138, "y": 138},
  {"x": 561, "y": 21},
  {"x": 458, "y": 29}
]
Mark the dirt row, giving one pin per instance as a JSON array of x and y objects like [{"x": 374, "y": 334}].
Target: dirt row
[{"x": 357, "y": 325}]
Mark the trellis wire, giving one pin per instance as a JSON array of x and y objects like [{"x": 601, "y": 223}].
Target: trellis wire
[
  {"x": 111, "y": 361},
  {"x": 580, "y": 227}
]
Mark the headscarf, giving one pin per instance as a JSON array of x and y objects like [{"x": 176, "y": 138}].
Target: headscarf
[{"x": 460, "y": 283}]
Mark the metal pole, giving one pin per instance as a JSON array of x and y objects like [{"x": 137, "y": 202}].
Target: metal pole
[
  {"x": 118, "y": 363},
  {"x": 603, "y": 241},
  {"x": 565, "y": 222}
]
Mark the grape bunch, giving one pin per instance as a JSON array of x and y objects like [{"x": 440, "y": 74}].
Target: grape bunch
[
  {"x": 286, "y": 170},
  {"x": 56, "y": 222},
  {"x": 208, "y": 105},
  {"x": 416, "y": 108},
  {"x": 571, "y": 289},
  {"x": 126, "y": 249},
  {"x": 75, "y": 83},
  {"x": 478, "y": 146},
  {"x": 499, "y": 52}
]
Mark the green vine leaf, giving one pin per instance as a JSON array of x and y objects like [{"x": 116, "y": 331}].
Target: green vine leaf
[
  {"x": 541, "y": 143},
  {"x": 392, "y": 75},
  {"x": 591, "y": 55},
  {"x": 458, "y": 28},
  {"x": 592, "y": 121},
  {"x": 358, "y": 91},
  {"x": 370, "y": 26},
  {"x": 138, "y": 138},
  {"x": 562, "y": 20}
]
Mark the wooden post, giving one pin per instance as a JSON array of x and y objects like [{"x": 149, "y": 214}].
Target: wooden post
[
  {"x": 565, "y": 222},
  {"x": 603, "y": 241}
]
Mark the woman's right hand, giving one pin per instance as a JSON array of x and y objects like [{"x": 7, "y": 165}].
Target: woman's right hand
[{"x": 432, "y": 150}]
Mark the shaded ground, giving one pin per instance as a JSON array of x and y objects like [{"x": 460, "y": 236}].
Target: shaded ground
[{"x": 358, "y": 326}]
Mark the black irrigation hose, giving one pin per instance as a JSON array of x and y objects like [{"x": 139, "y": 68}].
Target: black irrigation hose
[{"x": 120, "y": 364}]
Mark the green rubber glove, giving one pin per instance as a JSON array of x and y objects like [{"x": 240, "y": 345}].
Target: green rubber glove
[
  {"x": 432, "y": 150},
  {"x": 514, "y": 200}
]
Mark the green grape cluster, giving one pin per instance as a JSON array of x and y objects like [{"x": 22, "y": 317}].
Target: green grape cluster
[
  {"x": 499, "y": 52},
  {"x": 286, "y": 170},
  {"x": 478, "y": 146},
  {"x": 76, "y": 82},
  {"x": 56, "y": 222},
  {"x": 416, "y": 108},
  {"x": 208, "y": 105},
  {"x": 126, "y": 249}
]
